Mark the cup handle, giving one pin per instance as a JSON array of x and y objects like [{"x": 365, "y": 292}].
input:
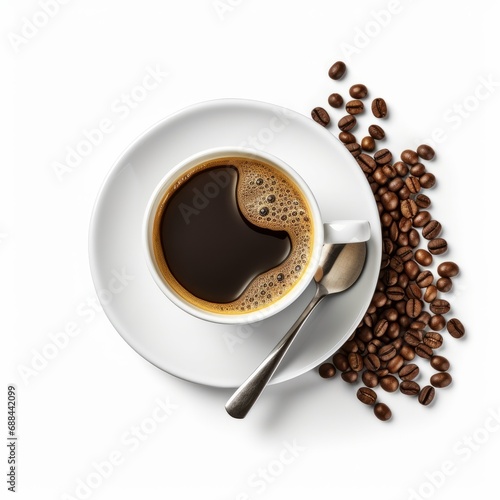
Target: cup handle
[{"x": 347, "y": 231}]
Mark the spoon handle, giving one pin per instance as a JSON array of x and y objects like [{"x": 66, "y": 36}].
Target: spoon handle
[{"x": 247, "y": 394}]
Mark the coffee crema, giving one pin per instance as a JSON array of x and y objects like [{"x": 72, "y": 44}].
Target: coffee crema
[{"x": 233, "y": 235}]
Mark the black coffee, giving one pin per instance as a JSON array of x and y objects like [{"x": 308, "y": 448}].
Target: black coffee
[{"x": 233, "y": 235}]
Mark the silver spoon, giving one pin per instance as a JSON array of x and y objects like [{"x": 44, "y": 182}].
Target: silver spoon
[{"x": 339, "y": 268}]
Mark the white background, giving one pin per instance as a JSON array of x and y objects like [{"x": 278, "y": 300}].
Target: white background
[{"x": 427, "y": 59}]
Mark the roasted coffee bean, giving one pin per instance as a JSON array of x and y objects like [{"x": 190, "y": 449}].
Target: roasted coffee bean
[
  {"x": 421, "y": 219},
  {"x": 411, "y": 269},
  {"x": 386, "y": 219},
  {"x": 425, "y": 152},
  {"x": 321, "y": 116},
  {"x": 354, "y": 148},
  {"x": 431, "y": 230},
  {"x": 424, "y": 317},
  {"x": 337, "y": 71},
  {"x": 393, "y": 231},
  {"x": 366, "y": 395},
  {"x": 389, "y": 383},
  {"x": 424, "y": 351},
  {"x": 433, "y": 339},
  {"x": 400, "y": 308},
  {"x": 405, "y": 224},
  {"x": 340, "y": 361},
  {"x": 440, "y": 363},
  {"x": 404, "y": 193},
  {"x": 409, "y": 157},
  {"x": 380, "y": 329},
  {"x": 350, "y": 376},
  {"x": 397, "y": 264},
  {"x": 389, "y": 200},
  {"x": 393, "y": 330},
  {"x": 358, "y": 91},
  {"x": 442, "y": 379},
  {"x": 403, "y": 281},
  {"x": 371, "y": 362},
  {"x": 383, "y": 156},
  {"x": 437, "y": 246},
  {"x": 409, "y": 372},
  {"x": 327, "y": 370},
  {"x": 385, "y": 261},
  {"x": 424, "y": 279},
  {"x": 413, "y": 291},
  {"x": 413, "y": 184},
  {"x": 387, "y": 352},
  {"x": 383, "y": 372},
  {"x": 335, "y": 100},
  {"x": 430, "y": 293},
  {"x": 447, "y": 269},
  {"x": 428, "y": 180},
  {"x": 389, "y": 171},
  {"x": 390, "y": 277},
  {"x": 395, "y": 293},
  {"x": 380, "y": 177},
  {"x": 444, "y": 284},
  {"x": 409, "y": 388},
  {"x": 361, "y": 345},
  {"x": 404, "y": 321},
  {"x": 365, "y": 333},
  {"x": 403, "y": 239},
  {"x": 390, "y": 314},
  {"x": 396, "y": 215},
  {"x": 355, "y": 361},
  {"x": 418, "y": 170},
  {"x": 413, "y": 238},
  {"x": 350, "y": 346},
  {"x": 455, "y": 328},
  {"x": 354, "y": 107},
  {"x": 401, "y": 168},
  {"x": 409, "y": 208},
  {"x": 347, "y": 123},
  {"x": 367, "y": 163},
  {"x": 440, "y": 306},
  {"x": 423, "y": 201},
  {"x": 370, "y": 379},
  {"x": 379, "y": 299},
  {"x": 397, "y": 343},
  {"x": 395, "y": 185},
  {"x": 388, "y": 245},
  {"x": 347, "y": 137},
  {"x": 423, "y": 257},
  {"x": 368, "y": 144},
  {"x": 376, "y": 132},
  {"x": 379, "y": 108},
  {"x": 413, "y": 337},
  {"x": 413, "y": 308},
  {"x": 382, "y": 412},
  {"x": 395, "y": 364},
  {"x": 407, "y": 352},
  {"x": 426, "y": 395},
  {"x": 437, "y": 322},
  {"x": 405, "y": 253},
  {"x": 373, "y": 346},
  {"x": 417, "y": 325}
]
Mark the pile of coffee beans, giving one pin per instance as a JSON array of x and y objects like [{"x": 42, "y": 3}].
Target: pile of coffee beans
[{"x": 406, "y": 313}]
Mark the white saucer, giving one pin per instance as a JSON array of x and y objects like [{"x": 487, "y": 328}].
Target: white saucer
[{"x": 190, "y": 348}]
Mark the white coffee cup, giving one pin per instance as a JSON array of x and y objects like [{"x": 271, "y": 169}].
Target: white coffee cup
[{"x": 341, "y": 231}]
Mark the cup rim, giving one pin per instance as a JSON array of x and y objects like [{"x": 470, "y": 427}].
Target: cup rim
[{"x": 228, "y": 318}]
